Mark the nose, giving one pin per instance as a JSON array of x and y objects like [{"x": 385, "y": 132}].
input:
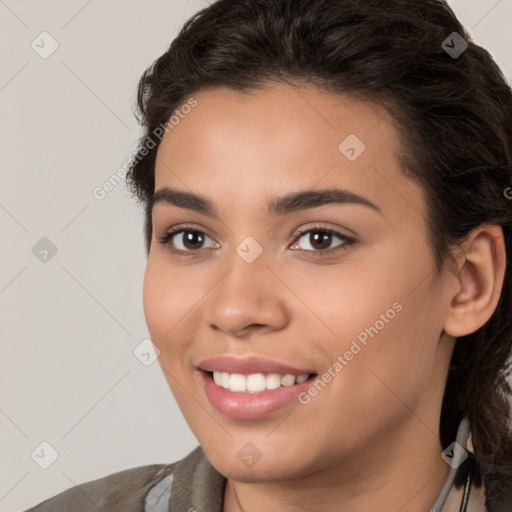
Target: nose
[{"x": 248, "y": 298}]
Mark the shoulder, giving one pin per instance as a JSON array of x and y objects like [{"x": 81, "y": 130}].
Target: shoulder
[{"x": 122, "y": 491}]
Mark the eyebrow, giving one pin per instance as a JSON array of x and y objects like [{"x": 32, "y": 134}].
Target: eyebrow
[{"x": 281, "y": 205}]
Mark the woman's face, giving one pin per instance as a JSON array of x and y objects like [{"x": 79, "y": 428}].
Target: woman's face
[{"x": 363, "y": 319}]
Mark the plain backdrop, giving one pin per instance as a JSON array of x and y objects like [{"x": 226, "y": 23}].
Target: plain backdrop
[{"x": 72, "y": 266}]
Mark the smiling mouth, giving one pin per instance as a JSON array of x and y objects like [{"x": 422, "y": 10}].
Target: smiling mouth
[{"x": 256, "y": 382}]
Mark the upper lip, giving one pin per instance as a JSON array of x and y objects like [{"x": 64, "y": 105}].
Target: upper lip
[{"x": 248, "y": 365}]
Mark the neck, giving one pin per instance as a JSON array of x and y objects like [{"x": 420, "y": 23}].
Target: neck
[{"x": 406, "y": 473}]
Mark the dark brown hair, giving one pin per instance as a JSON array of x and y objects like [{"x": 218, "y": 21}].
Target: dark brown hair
[{"x": 454, "y": 117}]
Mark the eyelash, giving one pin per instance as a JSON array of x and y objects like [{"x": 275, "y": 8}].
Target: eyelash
[{"x": 347, "y": 241}]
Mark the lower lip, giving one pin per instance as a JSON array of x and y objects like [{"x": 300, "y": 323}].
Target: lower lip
[{"x": 250, "y": 406}]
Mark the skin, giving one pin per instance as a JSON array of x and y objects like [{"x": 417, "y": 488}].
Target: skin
[{"x": 370, "y": 438}]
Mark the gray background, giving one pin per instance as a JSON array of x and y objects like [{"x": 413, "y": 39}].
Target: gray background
[{"x": 69, "y": 325}]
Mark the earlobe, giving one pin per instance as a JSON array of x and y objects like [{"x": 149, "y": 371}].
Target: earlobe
[{"x": 479, "y": 281}]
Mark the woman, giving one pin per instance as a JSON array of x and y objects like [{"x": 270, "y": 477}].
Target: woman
[{"x": 327, "y": 189}]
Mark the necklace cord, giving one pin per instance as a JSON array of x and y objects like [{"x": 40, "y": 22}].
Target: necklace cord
[{"x": 467, "y": 490}]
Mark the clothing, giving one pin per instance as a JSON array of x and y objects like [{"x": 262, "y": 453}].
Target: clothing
[{"x": 192, "y": 484}]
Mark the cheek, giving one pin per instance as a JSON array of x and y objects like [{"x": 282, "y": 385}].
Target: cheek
[
  {"x": 395, "y": 352},
  {"x": 168, "y": 299},
  {"x": 157, "y": 299},
  {"x": 381, "y": 312}
]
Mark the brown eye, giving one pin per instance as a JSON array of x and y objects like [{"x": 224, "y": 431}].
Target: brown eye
[
  {"x": 186, "y": 241},
  {"x": 319, "y": 240},
  {"x": 191, "y": 240}
]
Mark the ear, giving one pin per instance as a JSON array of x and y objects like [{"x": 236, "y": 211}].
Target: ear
[{"x": 481, "y": 271}]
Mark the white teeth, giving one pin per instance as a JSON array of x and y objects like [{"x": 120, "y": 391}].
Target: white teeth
[
  {"x": 288, "y": 380},
  {"x": 224, "y": 379},
  {"x": 301, "y": 378},
  {"x": 255, "y": 382},
  {"x": 273, "y": 381},
  {"x": 237, "y": 382}
]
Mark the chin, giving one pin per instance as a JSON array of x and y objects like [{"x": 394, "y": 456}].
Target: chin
[{"x": 266, "y": 469}]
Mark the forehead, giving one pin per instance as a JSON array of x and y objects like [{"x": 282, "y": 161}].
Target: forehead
[{"x": 243, "y": 147}]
